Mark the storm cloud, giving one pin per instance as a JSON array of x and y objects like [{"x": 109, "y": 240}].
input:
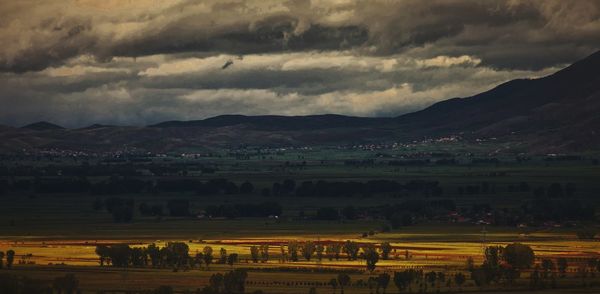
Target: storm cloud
[{"x": 139, "y": 62}]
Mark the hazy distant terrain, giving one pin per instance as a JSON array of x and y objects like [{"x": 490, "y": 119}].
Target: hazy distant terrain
[{"x": 554, "y": 113}]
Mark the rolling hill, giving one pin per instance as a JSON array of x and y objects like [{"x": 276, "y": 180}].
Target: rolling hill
[
  {"x": 560, "y": 112},
  {"x": 278, "y": 122}
]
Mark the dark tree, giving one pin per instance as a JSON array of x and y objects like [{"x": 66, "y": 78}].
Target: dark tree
[
  {"x": 293, "y": 250},
  {"x": 216, "y": 283},
  {"x": 351, "y": 248},
  {"x": 431, "y": 277},
  {"x": 459, "y": 279},
  {"x": 178, "y": 253},
  {"x": 121, "y": 209},
  {"x": 98, "y": 204},
  {"x": 155, "y": 254},
  {"x": 208, "y": 257},
  {"x": 519, "y": 256},
  {"x": 349, "y": 212},
  {"x": 555, "y": 190},
  {"x": 400, "y": 219},
  {"x": 234, "y": 282},
  {"x": 223, "y": 256},
  {"x": 548, "y": 266},
  {"x": 479, "y": 276},
  {"x": 198, "y": 259},
  {"x": 276, "y": 189},
  {"x": 383, "y": 280},
  {"x": 179, "y": 207},
  {"x": 371, "y": 257},
  {"x": 333, "y": 283},
  {"x": 150, "y": 210},
  {"x": 246, "y": 188},
  {"x": 254, "y": 253},
  {"x": 534, "y": 278},
  {"x": 232, "y": 259},
  {"x": 123, "y": 214},
  {"x": 264, "y": 253},
  {"x": 386, "y": 248},
  {"x": 10, "y": 258},
  {"x": 570, "y": 189},
  {"x": 266, "y": 192},
  {"x": 400, "y": 281},
  {"x": 120, "y": 255},
  {"x": 67, "y": 284},
  {"x": 308, "y": 249},
  {"x": 343, "y": 280},
  {"x": 327, "y": 213},
  {"x": 562, "y": 266},
  {"x": 288, "y": 186},
  {"x": 103, "y": 254}
]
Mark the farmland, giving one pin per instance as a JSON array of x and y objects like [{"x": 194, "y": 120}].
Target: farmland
[{"x": 438, "y": 205}]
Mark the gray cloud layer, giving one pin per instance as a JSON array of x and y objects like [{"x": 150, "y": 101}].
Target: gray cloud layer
[{"x": 138, "y": 62}]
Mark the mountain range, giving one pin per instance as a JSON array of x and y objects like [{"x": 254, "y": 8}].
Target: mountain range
[{"x": 559, "y": 112}]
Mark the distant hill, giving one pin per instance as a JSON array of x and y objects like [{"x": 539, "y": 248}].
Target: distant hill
[
  {"x": 560, "y": 112},
  {"x": 96, "y": 126},
  {"x": 42, "y": 126},
  {"x": 278, "y": 122}
]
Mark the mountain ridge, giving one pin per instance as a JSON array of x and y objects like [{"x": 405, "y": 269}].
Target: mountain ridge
[
  {"x": 563, "y": 102},
  {"x": 555, "y": 112},
  {"x": 320, "y": 121},
  {"x": 42, "y": 126}
]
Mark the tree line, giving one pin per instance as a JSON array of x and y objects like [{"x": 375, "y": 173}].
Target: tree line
[
  {"x": 123, "y": 209},
  {"x": 14, "y": 284},
  {"x": 176, "y": 255},
  {"x": 115, "y": 185}
]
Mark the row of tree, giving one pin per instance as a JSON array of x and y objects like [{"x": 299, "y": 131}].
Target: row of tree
[
  {"x": 174, "y": 255},
  {"x": 330, "y": 250},
  {"x": 502, "y": 264},
  {"x": 122, "y": 209},
  {"x": 177, "y": 255},
  {"x": 13, "y": 284},
  {"x": 126, "y": 185},
  {"x": 348, "y": 189},
  {"x": 10, "y": 258},
  {"x": 132, "y": 185},
  {"x": 403, "y": 280},
  {"x": 261, "y": 209}
]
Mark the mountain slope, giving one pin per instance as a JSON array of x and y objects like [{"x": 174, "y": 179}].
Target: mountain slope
[{"x": 562, "y": 109}]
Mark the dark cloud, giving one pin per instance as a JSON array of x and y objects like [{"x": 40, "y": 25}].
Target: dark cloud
[
  {"x": 58, "y": 32},
  {"x": 138, "y": 62},
  {"x": 157, "y": 88}
]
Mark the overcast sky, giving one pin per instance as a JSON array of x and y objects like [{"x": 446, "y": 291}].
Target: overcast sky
[{"x": 138, "y": 62}]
